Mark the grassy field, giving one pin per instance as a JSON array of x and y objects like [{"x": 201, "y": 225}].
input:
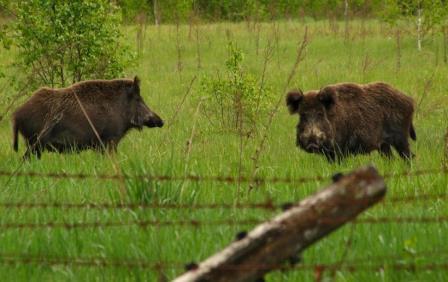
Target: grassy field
[{"x": 370, "y": 54}]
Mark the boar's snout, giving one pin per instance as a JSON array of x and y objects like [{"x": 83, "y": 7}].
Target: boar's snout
[
  {"x": 311, "y": 143},
  {"x": 148, "y": 117},
  {"x": 153, "y": 120}
]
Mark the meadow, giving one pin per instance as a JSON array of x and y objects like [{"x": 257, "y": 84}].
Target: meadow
[{"x": 189, "y": 144}]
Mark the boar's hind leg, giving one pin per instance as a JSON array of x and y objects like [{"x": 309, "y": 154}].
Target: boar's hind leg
[{"x": 36, "y": 144}]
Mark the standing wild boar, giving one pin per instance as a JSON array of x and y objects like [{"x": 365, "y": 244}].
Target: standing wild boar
[
  {"x": 92, "y": 114},
  {"x": 349, "y": 118}
]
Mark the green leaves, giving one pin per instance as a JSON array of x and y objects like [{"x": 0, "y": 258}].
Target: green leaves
[
  {"x": 62, "y": 42},
  {"x": 237, "y": 99}
]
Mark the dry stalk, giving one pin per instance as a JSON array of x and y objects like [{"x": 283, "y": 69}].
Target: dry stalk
[
  {"x": 173, "y": 119},
  {"x": 179, "y": 49},
  {"x": 141, "y": 32},
  {"x": 111, "y": 157},
  {"x": 299, "y": 58},
  {"x": 348, "y": 245},
  {"x": 445, "y": 43},
  {"x": 241, "y": 137},
  {"x": 445, "y": 153},
  {"x": 268, "y": 54},
  {"x": 276, "y": 35},
  {"x": 19, "y": 94},
  {"x": 192, "y": 135},
  {"x": 189, "y": 145},
  {"x": 398, "y": 40},
  {"x": 198, "y": 47},
  {"x": 426, "y": 88},
  {"x": 257, "y": 26},
  {"x": 436, "y": 51},
  {"x": 363, "y": 30},
  {"x": 365, "y": 66},
  {"x": 191, "y": 23}
]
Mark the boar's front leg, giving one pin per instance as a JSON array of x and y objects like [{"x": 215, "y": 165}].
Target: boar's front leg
[
  {"x": 385, "y": 150},
  {"x": 331, "y": 156},
  {"x": 32, "y": 148},
  {"x": 112, "y": 146}
]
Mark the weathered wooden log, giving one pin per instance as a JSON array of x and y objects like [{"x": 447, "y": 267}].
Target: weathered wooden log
[{"x": 272, "y": 243}]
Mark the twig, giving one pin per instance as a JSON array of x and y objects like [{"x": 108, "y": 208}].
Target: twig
[
  {"x": 114, "y": 162},
  {"x": 299, "y": 57}
]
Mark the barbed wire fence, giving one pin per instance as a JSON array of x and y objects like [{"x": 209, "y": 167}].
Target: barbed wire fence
[{"x": 391, "y": 262}]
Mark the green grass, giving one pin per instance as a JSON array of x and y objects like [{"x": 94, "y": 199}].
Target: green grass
[{"x": 329, "y": 59}]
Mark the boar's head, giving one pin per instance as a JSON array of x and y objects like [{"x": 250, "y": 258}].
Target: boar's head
[
  {"x": 315, "y": 132},
  {"x": 140, "y": 114}
]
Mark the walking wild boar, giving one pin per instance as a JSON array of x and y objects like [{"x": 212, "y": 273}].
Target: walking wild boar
[
  {"x": 92, "y": 114},
  {"x": 348, "y": 118}
]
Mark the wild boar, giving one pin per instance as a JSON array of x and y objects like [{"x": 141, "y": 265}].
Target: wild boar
[
  {"x": 93, "y": 114},
  {"x": 348, "y": 118}
]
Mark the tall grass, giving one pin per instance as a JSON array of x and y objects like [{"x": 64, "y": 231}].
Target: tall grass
[{"x": 368, "y": 55}]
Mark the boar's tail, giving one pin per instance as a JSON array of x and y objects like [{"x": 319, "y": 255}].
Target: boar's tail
[
  {"x": 412, "y": 132},
  {"x": 15, "y": 137}
]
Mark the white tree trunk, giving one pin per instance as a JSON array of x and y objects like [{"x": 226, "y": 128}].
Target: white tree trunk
[
  {"x": 156, "y": 12},
  {"x": 346, "y": 19},
  {"x": 419, "y": 29}
]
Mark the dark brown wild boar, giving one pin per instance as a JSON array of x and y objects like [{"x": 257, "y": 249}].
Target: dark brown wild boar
[
  {"x": 348, "y": 118},
  {"x": 92, "y": 114}
]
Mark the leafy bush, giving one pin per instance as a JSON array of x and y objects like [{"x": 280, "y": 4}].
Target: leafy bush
[
  {"x": 62, "y": 42},
  {"x": 236, "y": 98}
]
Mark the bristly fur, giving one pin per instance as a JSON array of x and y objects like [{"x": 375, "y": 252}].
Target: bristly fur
[
  {"x": 54, "y": 119},
  {"x": 358, "y": 118}
]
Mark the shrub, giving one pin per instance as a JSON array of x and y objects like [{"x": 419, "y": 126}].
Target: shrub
[
  {"x": 62, "y": 42},
  {"x": 236, "y": 98}
]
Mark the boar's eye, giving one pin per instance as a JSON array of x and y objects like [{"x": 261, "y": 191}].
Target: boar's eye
[{"x": 303, "y": 117}]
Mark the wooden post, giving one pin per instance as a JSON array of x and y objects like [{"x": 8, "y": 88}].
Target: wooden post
[{"x": 270, "y": 244}]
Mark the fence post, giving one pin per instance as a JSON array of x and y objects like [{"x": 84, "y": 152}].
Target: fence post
[{"x": 270, "y": 244}]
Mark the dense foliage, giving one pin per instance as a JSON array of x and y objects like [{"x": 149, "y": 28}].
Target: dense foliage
[
  {"x": 236, "y": 98},
  {"x": 237, "y": 10},
  {"x": 62, "y": 42}
]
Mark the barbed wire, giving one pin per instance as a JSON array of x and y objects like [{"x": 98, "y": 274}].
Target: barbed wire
[
  {"x": 264, "y": 205},
  {"x": 199, "y": 178},
  {"x": 362, "y": 264},
  {"x": 99, "y": 262},
  {"x": 351, "y": 267},
  {"x": 201, "y": 223},
  {"x": 137, "y": 223}
]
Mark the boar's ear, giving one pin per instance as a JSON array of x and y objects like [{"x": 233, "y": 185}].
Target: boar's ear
[
  {"x": 327, "y": 96},
  {"x": 136, "y": 81},
  {"x": 293, "y": 99},
  {"x": 134, "y": 88}
]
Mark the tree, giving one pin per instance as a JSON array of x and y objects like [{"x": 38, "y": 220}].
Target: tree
[
  {"x": 62, "y": 42},
  {"x": 426, "y": 14}
]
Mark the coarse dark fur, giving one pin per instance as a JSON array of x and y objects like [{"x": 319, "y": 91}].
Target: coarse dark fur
[
  {"x": 349, "y": 118},
  {"x": 92, "y": 114}
]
